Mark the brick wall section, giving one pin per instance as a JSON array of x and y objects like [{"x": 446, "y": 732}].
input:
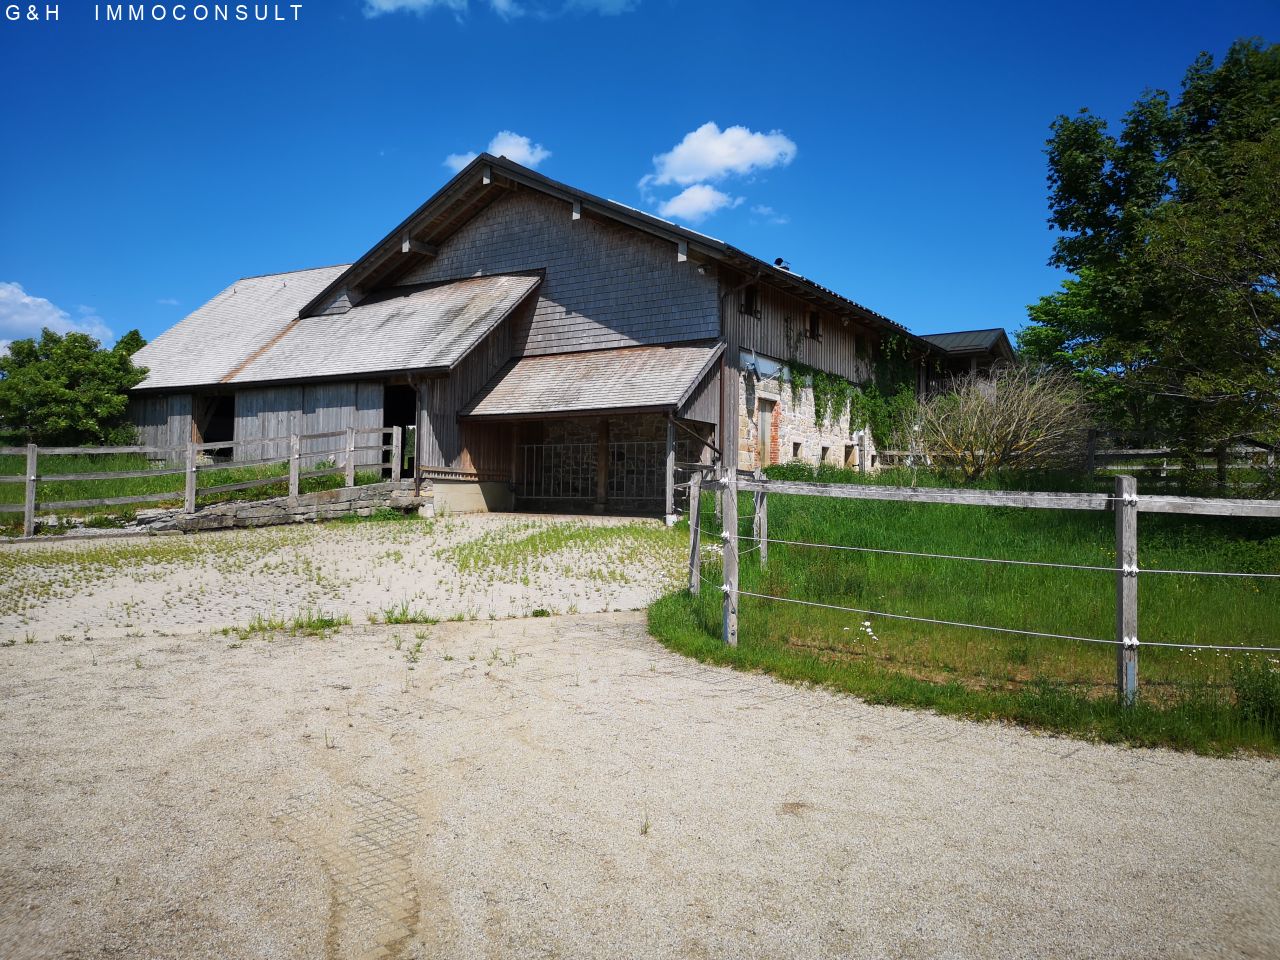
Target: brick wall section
[
  {"x": 606, "y": 285},
  {"x": 792, "y": 423}
]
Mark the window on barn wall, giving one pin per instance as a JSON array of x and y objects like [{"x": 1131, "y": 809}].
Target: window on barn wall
[
  {"x": 751, "y": 301},
  {"x": 814, "y": 331},
  {"x": 826, "y": 453},
  {"x": 796, "y": 450}
]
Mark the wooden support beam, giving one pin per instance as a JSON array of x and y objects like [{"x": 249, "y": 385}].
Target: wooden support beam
[
  {"x": 682, "y": 251},
  {"x": 409, "y": 245},
  {"x": 577, "y": 210},
  {"x": 397, "y": 451},
  {"x": 695, "y": 533},
  {"x": 670, "y": 470},
  {"x": 1126, "y": 507},
  {"x": 602, "y": 464},
  {"x": 486, "y": 175}
]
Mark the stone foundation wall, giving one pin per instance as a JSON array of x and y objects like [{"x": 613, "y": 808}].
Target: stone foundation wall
[
  {"x": 794, "y": 434},
  {"x": 309, "y": 507}
]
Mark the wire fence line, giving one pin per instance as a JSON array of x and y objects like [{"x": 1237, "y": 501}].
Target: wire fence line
[
  {"x": 1124, "y": 503},
  {"x": 1020, "y": 563}
]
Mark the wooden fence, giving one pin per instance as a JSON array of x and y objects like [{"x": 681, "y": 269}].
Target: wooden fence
[
  {"x": 1124, "y": 502},
  {"x": 345, "y": 449}
]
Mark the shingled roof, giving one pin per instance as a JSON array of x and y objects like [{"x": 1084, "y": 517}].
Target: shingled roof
[
  {"x": 220, "y": 336},
  {"x": 969, "y": 341},
  {"x": 251, "y": 333},
  {"x": 629, "y": 378}
]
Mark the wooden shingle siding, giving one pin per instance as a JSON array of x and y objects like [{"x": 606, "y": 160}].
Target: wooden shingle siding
[
  {"x": 605, "y": 286},
  {"x": 443, "y": 397},
  {"x": 704, "y": 403},
  {"x": 278, "y": 412},
  {"x": 163, "y": 420},
  {"x": 341, "y": 303},
  {"x": 781, "y": 313}
]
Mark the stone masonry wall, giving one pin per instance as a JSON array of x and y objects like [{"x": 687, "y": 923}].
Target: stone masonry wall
[{"x": 794, "y": 434}]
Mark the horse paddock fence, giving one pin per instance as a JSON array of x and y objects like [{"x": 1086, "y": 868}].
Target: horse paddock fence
[{"x": 1123, "y": 501}]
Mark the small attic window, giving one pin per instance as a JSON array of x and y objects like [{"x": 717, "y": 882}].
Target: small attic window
[
  {"x": 751, "y": 301},
  {"x": 814, "y": 329}
]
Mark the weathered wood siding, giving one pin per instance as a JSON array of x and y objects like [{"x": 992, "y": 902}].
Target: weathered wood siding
[
  {"x": 704, "y": 403},
  {"x": 162, "y": 419},
  {"x": 844, "y": 348},
  {"x": 448, "y": 444},
  {"x": 278, "y": 412},
  {"x": 606, "y": 285}
]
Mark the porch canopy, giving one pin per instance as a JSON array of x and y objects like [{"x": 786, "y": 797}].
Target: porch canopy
[{"x": 653, "y": 379}]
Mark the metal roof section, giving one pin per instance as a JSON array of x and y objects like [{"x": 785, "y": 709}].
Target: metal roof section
[
  {"x": 487, "y": 177},
  {"x": 429, "y": 327},
  {"x": 967, "y": 341},
  {"x": 221, "y": 335},
  {"x": 627, "y": 378}
]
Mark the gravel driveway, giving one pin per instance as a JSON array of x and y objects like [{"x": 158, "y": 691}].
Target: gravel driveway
[{"x": 564, "y": 787}]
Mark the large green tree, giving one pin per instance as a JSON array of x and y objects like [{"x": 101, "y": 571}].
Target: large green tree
[
  {"x": 66, "y": 389},
  {"x": 1172, "y": 230}
]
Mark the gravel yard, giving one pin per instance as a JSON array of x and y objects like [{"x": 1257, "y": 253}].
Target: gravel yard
[
  {"x": 561, "y": 787},
  {"x": 473, "y": 567}
]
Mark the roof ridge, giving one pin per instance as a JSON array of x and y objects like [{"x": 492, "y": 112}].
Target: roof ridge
[{"x": 286, "y": 273}]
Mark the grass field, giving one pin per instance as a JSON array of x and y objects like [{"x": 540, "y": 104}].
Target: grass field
[
  {"x": 1204, "y": 700},
  {"x": 61, "y": 490}
]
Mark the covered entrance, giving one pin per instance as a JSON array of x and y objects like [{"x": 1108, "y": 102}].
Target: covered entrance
[{"x": 609, "y": 430}]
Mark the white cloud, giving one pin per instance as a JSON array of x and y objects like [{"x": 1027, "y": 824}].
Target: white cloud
[
  {"x": 507, "y": 9},
  {"x": 22, "y": 315},
  {"x": 167, "y": 302},
  {"x": 770, "y": 214},
  {"x": 710, "y": 153},
  {"x": 513, "y": 146},
  {"x": 697, "y": 203}
]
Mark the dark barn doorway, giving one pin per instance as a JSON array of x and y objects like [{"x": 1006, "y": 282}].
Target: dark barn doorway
[{"x": 400, "y": 409}]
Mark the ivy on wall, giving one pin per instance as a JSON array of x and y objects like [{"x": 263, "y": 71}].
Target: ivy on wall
[{"x": 877, "y": 404}]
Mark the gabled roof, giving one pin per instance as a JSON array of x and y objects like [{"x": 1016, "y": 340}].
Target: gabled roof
[
  {"x": 627, "y": 378},
  {"x": 971, "y": 341},
  {"x": 250, "y": 333},
  {"x": 229, "y": 329},
  {"x": 488, "y": 177},
  {"x": 428, "y": 327}
]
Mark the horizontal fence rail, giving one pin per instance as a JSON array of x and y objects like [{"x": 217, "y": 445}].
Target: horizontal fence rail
[
  {"x": 1124, "y": 502},
  {"x": 192, "y": 460}
]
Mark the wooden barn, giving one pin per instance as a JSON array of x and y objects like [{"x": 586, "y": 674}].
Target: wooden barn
[{"x": 548, "y": 346}]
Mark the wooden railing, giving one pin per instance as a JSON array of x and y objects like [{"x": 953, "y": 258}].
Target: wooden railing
[{"x": 194, "y": 459}]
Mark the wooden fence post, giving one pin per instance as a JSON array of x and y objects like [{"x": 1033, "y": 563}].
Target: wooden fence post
[
  {"x": 351, "y": 457},
  {"x": 189, "y": 503},
  {"x": 29, "y": 502},
  {"x": 695, "y": 533},
  {"x": 295, "y": 466},
  {"x": 762, "y": 526},
  {"x": 1126, "y": 504},
  {"x": 729, "y": 622},
  {"x": 397, "y": 452},
  {"x": 760, "y": 521}
]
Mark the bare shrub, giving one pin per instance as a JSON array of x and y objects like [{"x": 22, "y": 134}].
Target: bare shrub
[{"x": 1012, "y": 418}]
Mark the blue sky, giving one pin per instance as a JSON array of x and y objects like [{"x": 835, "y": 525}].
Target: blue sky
[{"x": 893, "y": 152}]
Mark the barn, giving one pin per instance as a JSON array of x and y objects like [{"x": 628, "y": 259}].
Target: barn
[{"x": 547, "y": 347}]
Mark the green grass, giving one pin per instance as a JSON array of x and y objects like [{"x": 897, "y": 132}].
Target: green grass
[
  {"x": 1188, "y": 699},
  {"x": 403, "y": 613},
  {"x": 174, "y": 484}
]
